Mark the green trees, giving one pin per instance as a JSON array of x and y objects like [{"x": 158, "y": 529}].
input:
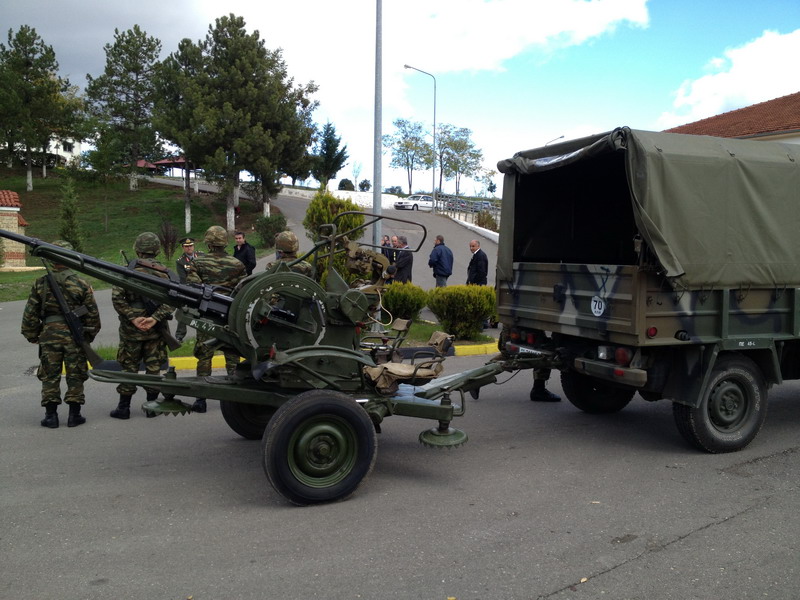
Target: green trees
[
  {"x": 456, "y": 153},
  {"x": 458, "y": 156},
  {"x": 32, "y": 101},
  {"x": 409, "y": 149},
  {"x": 237, "y": 109},
  {"x": 329, "y": 158},
  {"x": 122, "y": 97}
]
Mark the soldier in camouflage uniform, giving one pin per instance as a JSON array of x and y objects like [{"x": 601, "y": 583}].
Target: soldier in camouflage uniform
[
  {"x": 43, "y": 323},
  {"x": 286, "y": 246},
  {"x": 221, "y": 269},
  {"x": 140, "y": 338}
]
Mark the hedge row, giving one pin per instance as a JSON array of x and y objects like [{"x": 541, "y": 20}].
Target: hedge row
[{"x": 461, "y": 309}]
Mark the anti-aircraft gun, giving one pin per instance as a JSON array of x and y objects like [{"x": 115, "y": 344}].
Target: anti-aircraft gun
[{"x": 306, "y": 386}]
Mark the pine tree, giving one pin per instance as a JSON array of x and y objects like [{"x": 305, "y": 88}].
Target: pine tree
[
  {"x": 123, "y": 96},
  {"x": 329, "y": 158},
  {"x": 31, "y": 102},
  {"x": 70, "y": 227}
]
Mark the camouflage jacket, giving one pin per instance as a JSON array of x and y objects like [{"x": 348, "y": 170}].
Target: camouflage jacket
[
  {"x": 40, "y": 320},
  {"x": 130, "y": 305},
  {"x": 216, "y": 268},
  {"x": 302, "y": 267}
]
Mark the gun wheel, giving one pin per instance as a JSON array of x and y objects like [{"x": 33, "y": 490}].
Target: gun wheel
[
  {"x": 318, "y": 447},
  {"x": 248, "y": 420}
]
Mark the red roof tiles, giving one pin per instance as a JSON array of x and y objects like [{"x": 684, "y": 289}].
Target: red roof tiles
[
  {"x": 9, "y": 199},
  {"x": 781, "y": 115}
]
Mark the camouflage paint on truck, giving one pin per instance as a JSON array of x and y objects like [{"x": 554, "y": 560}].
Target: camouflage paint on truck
[{"x": 660, "y": 263}]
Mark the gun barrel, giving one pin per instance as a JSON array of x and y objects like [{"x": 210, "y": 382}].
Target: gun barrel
[{"x": 201, "y": 297}]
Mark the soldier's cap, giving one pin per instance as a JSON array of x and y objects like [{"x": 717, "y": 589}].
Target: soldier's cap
[{"x": 187, "y": 241}]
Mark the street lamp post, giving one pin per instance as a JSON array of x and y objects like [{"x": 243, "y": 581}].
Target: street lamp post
[{"x": 433, "y": 168}]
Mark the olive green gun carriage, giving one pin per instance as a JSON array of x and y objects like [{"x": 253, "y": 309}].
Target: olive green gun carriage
[
  {"x": 657, "y": 263},
  {"x": 304, "y": 387}
]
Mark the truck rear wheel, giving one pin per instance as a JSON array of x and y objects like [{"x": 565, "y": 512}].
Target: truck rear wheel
[
  {"x": 732, "y": 410},
  {"x": 319, "y": 447},
  {"x": 592, "y": 395},
  {"x": 248, "y": 420}
]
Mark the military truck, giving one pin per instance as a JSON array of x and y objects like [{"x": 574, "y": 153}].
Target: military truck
[{"x": 657, "y": 263}]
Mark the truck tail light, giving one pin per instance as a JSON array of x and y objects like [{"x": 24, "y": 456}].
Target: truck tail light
[{"x": 623, "y": 356}]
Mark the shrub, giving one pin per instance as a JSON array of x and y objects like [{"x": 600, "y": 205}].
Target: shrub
[
  {"x": 168, "y": 236},
  {"x": 70, "y": 229},
  {"x": 268, "y": 227},
  {"x": 404, "y": 300},
  {"x": 322, "y": 209},
  {"x": 486, "y": 220},
  {"x": 462, "y": 309},
  {"x": 347, "y": 185},
  {"x": 364, "y": 186}
]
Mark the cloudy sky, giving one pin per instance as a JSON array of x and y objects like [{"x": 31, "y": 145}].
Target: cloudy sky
[{"x": 518, "y": 73}]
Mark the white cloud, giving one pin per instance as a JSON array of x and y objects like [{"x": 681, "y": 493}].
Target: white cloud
[
  {"x": 336, "y": 47},
  {"x": 754, "y": 72}
]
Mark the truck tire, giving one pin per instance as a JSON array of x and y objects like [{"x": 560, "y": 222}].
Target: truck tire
[
  {"x": 248, "y": 420},
  {"x": 592, "y": 395},
  {"x": 732, "y": 410},
  {"x": 319, "y": 447}
]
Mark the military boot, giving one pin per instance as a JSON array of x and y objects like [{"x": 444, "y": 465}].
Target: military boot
[
  {"x": 123, "y": 410},
  {"x": 50, "y": 415},
  {"x": 540, "y": 394},
  {"x": 75, "y": 418},
  {"x": 199, "y": 405},
  {"x": 151, "y": 397}
]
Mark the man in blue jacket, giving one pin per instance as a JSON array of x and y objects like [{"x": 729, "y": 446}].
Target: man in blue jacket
[{"x": 441, "y": 261}]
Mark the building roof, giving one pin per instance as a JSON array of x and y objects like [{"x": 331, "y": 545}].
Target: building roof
[
  {"x": 9, "y": 199},
  {"x": 781, "y": 115}
]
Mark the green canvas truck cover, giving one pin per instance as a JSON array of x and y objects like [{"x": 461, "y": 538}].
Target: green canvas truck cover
[{"x": 716, "y": 212}]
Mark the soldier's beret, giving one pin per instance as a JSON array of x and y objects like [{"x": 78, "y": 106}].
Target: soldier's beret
[{"x": 187, "y": 241}]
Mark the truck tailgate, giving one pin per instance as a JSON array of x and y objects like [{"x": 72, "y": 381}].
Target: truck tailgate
[{"x": 594, "y": 301}]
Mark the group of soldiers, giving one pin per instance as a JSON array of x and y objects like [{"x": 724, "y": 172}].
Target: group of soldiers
[{"x": 143, "y": 328}]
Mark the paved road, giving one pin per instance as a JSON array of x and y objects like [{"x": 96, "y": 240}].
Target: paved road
[
  {"x": 542, "y": 502},
  {"x": 456, "y": 236}
]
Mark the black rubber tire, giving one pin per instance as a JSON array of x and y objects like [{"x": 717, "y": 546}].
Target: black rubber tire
[
  {"x": 592, "y": 395},
  {"x": 248, "y": 420},
  {"x": 415, "y": 207},
  {"x": 319, "y": 447},
  {"x": 732, "y": 409}
]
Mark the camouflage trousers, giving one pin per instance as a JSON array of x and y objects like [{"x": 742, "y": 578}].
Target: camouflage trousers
[
  {"x": 132, "y": 353},
  {"x": 52, "y": 355},
  {"x": 204, "y": 354}
]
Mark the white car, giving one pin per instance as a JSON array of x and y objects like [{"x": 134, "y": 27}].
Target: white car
[{"x": 415, "y": 202}]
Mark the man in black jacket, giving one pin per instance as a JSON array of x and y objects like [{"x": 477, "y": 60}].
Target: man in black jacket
[
  {"x": 404, "y": 261},
  {"x": 478, "y": 269},
  {"x": 244, "y": 252}
]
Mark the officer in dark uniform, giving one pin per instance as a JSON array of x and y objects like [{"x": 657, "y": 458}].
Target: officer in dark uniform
[{"x": 184, "y": 260}]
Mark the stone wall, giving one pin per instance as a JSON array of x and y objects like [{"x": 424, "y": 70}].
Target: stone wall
[{"x": 13, "y": 252}]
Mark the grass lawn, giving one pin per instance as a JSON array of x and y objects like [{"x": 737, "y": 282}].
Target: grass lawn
[{"x": 110, "y": 219}]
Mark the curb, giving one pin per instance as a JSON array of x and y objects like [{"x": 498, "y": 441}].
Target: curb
[{"x": 185, "y": 363}]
